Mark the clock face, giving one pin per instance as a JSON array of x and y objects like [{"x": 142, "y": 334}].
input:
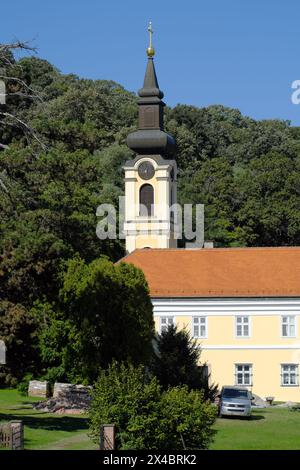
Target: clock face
[{"x": 146, "y": 170}]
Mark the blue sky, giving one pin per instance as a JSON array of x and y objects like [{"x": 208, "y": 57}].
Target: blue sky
[{"x": 239, "y": 53}]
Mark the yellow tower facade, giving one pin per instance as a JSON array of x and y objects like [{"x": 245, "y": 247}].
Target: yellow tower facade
[
  {"x": 150, "y": 177},
  {"x": 150, "y": 203}
]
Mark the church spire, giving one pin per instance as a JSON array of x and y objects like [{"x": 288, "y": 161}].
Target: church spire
[
  {"x": 150, "y": 177},
  {"x": 150, "y": 86},
  {"x": 150, "y": 137}
]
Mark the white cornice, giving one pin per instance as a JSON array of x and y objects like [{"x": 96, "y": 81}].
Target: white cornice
[{"x": 232, "y": 306}]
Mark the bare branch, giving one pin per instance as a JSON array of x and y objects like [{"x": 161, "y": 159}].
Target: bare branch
[
  {"x": 17, "y": 122},
  {"x": 5, "y": 49},
  {"x": 24, "y": 84},
  {"x": 18, "y": 87},
  {"x": 17, "y": 45}
]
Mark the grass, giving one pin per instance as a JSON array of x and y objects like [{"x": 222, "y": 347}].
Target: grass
[
  {"x": 268, "y": 429},
  {"x": 45, "y": 431}
]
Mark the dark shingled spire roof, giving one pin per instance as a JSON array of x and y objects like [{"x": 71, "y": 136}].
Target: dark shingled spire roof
[
  {"x": 150, "y": 87},
  {"x": 150, "y": 138}
]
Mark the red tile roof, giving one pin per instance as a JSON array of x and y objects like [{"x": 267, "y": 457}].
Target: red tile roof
[{"x": 220, "y": 272}]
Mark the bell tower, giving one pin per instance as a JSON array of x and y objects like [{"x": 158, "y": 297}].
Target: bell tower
[{"x": 150, "y": 178}]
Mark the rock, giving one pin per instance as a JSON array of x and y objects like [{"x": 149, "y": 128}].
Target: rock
[
  {"x": 38, "y": 389},
  {"x": 68, "y": 399},
  {"x": 68, "y": 411},
  {"x": 258, "y": 402},
  {"x": 287, "y": 404}
]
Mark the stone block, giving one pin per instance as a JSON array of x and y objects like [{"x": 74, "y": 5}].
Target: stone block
[
  {"x": 37, "y": 388},
  {"x": 63, "y": 389}
]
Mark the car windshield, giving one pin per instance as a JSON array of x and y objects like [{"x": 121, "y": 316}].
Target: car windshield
[{"x": 233, "y": 393}]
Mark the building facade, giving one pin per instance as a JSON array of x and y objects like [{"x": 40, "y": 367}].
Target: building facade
[
  {"x": 249, "y": 342},
  {"x": 242, "y": 305}
]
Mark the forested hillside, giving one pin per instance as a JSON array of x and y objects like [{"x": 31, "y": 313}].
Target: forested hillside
[{"x": 246, "y": 172}]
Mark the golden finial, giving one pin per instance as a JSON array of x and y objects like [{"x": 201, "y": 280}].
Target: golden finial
[{"x": 150, "y": 49}]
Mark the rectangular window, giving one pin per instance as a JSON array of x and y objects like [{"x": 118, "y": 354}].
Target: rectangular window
[
  {"x": 199, "y": 327},
  {"x": 288, "y": 326},
  {"x": 165, "y": 322},
  {"x": 289, "y": 375},
  {"x": 243, "y": 374},
  {"x": 242, "y": 326}
]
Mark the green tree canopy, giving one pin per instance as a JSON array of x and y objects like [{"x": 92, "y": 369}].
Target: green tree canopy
[
  {"x": 176, "y": 362},
  {"x": 245, "y": 172},
  {"x": 107, "y": 314},
  {"x": 18, "y": 329}
]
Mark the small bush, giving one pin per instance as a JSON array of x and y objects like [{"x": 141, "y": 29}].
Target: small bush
[
  {"x": 186, "y": 419},
  {"x": 22, "y": 386},
  {"x": 121, "y": 393},
  {"x": 145, "y": 416}
]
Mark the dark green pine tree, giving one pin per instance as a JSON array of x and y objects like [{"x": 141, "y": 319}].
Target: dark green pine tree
[{"x": 176, "y": 361}]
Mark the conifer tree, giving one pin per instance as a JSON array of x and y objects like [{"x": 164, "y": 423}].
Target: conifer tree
[{"x": 176, "y": 362}]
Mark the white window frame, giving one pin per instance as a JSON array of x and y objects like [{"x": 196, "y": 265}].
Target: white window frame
[
  {"x": 199, "y": 318},
  {"x": 289, "y": 372},
  {"x": 168, "y": 318},
  {"x": 288, "y": 323},
  {"x": 242, "y": 325},
  {"x": 236, "y": 372}
]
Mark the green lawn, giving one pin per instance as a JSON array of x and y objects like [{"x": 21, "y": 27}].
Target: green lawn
[
  {"x": 45, "y": 431},
  {"x": 271, "y": 428}
]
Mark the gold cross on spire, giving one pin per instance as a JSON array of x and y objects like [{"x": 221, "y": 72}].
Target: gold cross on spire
[
  {"x": 150, "y": 33},
  {"x": 150, "y": 49}
]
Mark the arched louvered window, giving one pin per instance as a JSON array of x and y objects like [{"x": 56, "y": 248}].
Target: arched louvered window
[{"x": 146, "y": 200}]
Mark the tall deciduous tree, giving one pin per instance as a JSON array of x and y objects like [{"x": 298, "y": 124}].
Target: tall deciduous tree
[{"x": 107, "y": 314}]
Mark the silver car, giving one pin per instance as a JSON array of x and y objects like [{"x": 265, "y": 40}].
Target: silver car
[{"x": 235, "y": 401}]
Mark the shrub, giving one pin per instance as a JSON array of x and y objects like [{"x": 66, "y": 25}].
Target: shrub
[
  {"x": 23, "y": 385},
  {"x": 145, "y": 416},
  {"x": 120, "y": 394},
  {"x": 186, "y": 419}
]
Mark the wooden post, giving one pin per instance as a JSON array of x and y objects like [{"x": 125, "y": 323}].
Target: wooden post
[
  {"x": 11, "y": 437},
  {"x": 17, "y": 435},
  {"x": 107, "y": 437}
]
